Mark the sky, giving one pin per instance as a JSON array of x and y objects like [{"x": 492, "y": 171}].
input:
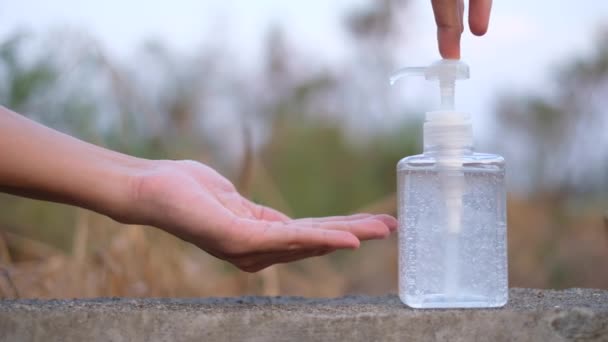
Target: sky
[{"x": 526, "y": 40}]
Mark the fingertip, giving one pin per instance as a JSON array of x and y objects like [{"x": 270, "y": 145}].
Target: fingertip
[
  {"x": 375, "y": 229},
  {"x": 449, "y": 43},
  {"x": 388, "y": 220},
  {"x": 478, "y": 29},
  {"x": 479, "y": 16},
  {"x": 340, "y": 239},
  {"x": 352, "y": 241},
  {"x": 385, "y": 234},
  {"x": 447, "y": 53}
]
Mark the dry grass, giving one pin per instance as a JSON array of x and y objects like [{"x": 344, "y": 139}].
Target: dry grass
[
  {"x": 133, "y": 261},
  {"x": 108, "y": 259}
]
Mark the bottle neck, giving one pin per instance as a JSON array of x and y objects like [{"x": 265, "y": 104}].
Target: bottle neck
[{"x": 448, "y": 133}]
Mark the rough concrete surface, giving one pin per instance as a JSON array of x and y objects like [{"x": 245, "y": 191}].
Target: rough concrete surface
[{"x": 531, "y": 315}]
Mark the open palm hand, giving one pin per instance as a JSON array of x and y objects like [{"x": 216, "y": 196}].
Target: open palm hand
[{"x": 194, "y": 202}]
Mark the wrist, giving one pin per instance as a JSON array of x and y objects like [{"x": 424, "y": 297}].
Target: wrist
[
  {"x": 42, "y": 163},
  {"x": 120, "y": 197}
]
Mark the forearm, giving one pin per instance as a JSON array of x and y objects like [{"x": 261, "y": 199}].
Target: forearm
[{"x": 38, "y": 162}]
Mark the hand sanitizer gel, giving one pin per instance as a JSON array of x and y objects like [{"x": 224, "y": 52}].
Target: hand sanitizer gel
[{"x": 452, "y": 209}]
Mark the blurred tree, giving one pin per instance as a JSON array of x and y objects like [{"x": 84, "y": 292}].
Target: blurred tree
[
  {"x": 377, "y": 32},
  {"x": 45, "y": 79},
  {"x": 20, "y": 82},
  {"x": 321, "y": 173},
  {"x": 163, "y": 105},
  {"x": 558, "y": 142},
  {"x": 376, "y": 22},
  {"x": 310, "y": 153}
]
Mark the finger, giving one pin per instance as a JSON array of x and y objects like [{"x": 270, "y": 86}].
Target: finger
[
  {"x": 283, "y": 236},
  {"x": 479, "y": 16},
  {"x": 388, "y": 220},
  {"x": 448, "y": 17},
  {"x": 333, "y": 218},
  {"x": 268, "y": 214},
  {"x": 237, "y": 204},
  {"x": 269, "y": 259},
  {"x": 365, "y": 229}
]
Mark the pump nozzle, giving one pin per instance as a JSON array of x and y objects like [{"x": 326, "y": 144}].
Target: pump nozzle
[
  {"x": 446, "y": 71},
  {"x": 445, "y": 129}
]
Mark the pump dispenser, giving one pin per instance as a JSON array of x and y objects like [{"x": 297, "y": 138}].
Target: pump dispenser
[{"x": 452, "y": 208}]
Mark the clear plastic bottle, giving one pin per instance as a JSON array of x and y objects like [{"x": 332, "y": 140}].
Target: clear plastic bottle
[{"x": 452, "y": 211}]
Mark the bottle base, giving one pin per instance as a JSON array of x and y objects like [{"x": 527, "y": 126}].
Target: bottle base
[{"x": 444, "y": 301}]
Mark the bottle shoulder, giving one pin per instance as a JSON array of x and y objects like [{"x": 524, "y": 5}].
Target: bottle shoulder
[{"x": 482, "y": 161}]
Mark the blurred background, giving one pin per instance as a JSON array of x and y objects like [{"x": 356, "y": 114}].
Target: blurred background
[{"x": 291, "y": 102}]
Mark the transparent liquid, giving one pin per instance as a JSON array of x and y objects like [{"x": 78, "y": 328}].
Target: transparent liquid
[{"x": 440, "y": 268}]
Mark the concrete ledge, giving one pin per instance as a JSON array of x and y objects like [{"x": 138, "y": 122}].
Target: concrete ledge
[{"x": 531, "y": 315}]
